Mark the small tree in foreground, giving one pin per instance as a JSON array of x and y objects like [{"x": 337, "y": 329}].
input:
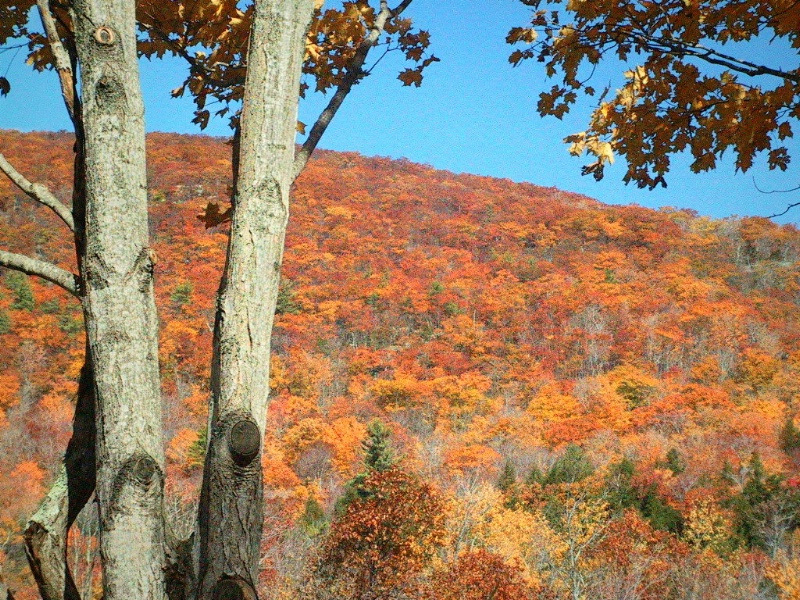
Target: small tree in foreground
[{"x": 383, "y": 541}]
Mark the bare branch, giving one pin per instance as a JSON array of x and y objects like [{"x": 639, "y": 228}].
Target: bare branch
[
  {"x": 354, "y": 73},
  {"x": 38, "y": 192},
  {"x": 788, "y": 208},
  {"x": 48, "y": 271},
  {"x": 60, "y": 57},
  {"x": 794, "y": 189}
]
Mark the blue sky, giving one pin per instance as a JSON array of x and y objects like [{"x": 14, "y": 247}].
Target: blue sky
[{"x": 474, "y": 113}]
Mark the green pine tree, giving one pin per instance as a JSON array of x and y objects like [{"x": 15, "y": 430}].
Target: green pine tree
[
  {"x": 789, "y": 436},
  {"x": 619, "y": 483},
  {"x": 508, "y": 477},
  {"x": 5, "y": 322},
  {"x": 660, "y": 514},
  {"x": 23, "y": 295},
  {"x": 313, "y": 521},
  {"x": 674, "y": 462},
  {"x": 378, "y": 453},
  {"x": 571, "y": 467},
  {"x": 378, "y": 456},
  {"x": 534, "y": 476}
]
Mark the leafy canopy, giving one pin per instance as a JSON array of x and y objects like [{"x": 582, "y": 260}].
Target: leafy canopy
[
  {"x": 691, "y": 84},
  {"x": 212, "y": 37}
]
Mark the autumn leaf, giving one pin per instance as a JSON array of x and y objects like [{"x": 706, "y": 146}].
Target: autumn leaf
[
  {"x": 411, "y": 77},
  {"x": 211, "y": 216}
]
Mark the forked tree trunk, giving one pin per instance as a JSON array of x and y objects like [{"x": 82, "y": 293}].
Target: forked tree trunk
[
  {"x": 230, "y": 516},
  {"x": 118, "y": 303}
]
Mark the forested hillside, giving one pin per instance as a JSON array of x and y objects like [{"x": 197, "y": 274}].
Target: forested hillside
[{"x": 479, "y": 387}]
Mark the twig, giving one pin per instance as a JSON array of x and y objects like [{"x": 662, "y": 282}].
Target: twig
[
  {"x": 354, "y": 73},
  {"x": 788, "y": 207}
]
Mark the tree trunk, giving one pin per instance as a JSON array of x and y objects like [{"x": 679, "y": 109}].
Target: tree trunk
[
  {"x": 118, "y": 303},
  {"x": 230, "y": 517},
  {"x": 46, "y": 532}
]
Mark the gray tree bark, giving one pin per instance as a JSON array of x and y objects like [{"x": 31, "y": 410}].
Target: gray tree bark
[
  {"x": 118, "y": 303},
  {"x": 230, "y": 518}
]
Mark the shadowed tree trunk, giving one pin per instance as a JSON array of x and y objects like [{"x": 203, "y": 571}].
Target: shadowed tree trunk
[{"x": 46, "y": 532}]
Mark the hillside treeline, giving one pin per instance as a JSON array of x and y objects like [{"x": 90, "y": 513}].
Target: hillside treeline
[{"x": 480, "y": 389}]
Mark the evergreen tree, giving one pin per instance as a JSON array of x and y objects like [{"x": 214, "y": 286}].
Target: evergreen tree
[
  {"x": 378, "y": 453},
  {"x": 534, "y": 476},
  {"x": 727, "y": 476},
  {"x": 571, "y": 467},
  {"x": 507, "y": 483},
  {"x": 660, "y": 514},
  {"x": 508, "y": 477},
  {"x": 5, "y": 322},
  {"x": 750, "y": 505},
  {"x": 674, "y": 462},
  {"x": 619, "y": 483},
  {"x": 789, "y": 436},
  {"x": 379, "y": 457},
  {"x": 23, "y": 295},
  {"x": 313, "y": 521}
]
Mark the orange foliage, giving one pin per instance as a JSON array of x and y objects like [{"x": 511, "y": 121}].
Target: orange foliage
[
  {"x": 479, "y": 575},
  {"x": 482, "y": 320}
]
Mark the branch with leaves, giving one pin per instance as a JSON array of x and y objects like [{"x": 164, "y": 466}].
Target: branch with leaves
[
  {"x": 339, "y": 44},
  {"x": 354, "y": 72},
  {"x": 675, "y": 96}
]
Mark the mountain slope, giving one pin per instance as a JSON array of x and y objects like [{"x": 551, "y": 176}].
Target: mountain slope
[{"x": 489, "y": 323}]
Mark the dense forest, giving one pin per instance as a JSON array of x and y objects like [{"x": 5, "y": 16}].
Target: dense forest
[{"x": 480, "y": 389}]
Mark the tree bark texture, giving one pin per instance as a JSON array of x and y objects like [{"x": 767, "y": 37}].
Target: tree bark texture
[
  {"x": 118, "y": 303},
  {"x": 230, "y": 516},
  {"x": 47, "y": 530}
]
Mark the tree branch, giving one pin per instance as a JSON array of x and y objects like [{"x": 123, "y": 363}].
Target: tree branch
[
  {"x": 61, "y": 58},
  {"x": 45, "y": 270},
  {"x": 709, "y": 55},
  {"x": 354, "y": 73},
  {"x": 38, "y": 192},
  {"x": 46, "y": 544},
  {"x": 788, "y": 208},
  {"x": 179, "y": 49}
]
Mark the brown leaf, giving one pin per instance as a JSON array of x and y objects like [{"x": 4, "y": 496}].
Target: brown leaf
[{"x": 211, "y": 216}]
